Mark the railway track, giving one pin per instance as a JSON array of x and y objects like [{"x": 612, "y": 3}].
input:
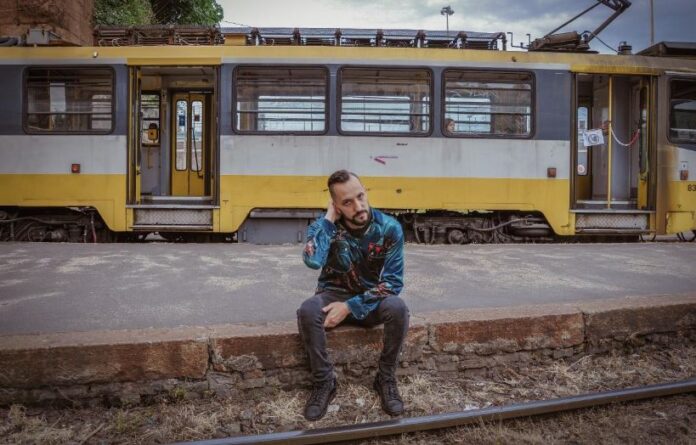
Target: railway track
[{"x": 449, "y": 420}]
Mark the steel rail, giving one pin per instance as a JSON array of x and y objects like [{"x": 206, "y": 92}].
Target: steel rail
[{"x": 414, "y": 424}]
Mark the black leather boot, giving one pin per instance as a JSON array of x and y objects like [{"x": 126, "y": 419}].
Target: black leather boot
[
  {"x": 389, "y": 394},
  {"x": 318, "y": 402}
]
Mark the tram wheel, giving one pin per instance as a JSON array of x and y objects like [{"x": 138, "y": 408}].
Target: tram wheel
[
  {"x": 456, "y": 236},
  {"x": 684, "y": 238},
  {"x": 649, "y": 238}
]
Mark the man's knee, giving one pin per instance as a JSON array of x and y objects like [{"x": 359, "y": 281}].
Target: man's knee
[
  {"x": 395, "y": 307},
  {"x": 309, "y": 310}
]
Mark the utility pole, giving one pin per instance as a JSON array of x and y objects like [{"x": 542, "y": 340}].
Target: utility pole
[
  {"x": 447, "y": 11},
  {"x": 652, "y": 23}
]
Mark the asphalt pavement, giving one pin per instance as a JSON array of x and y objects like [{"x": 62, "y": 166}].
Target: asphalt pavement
[{"x": 52, "y": 287}]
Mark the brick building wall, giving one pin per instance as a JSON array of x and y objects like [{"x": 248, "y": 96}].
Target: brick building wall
[{"x": 70, "y": 20}]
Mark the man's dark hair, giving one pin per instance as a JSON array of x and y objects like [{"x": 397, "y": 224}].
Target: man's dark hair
[{"x": 340, "y": 177}]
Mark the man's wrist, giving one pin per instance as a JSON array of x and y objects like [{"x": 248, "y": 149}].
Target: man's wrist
[
  {"x": 354, "y": 307},
  {"x": 328, "y": 225}
]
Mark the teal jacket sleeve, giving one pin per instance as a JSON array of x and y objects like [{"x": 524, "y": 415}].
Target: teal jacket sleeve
[
  {"x": 391, "y": 279},
  {"x": 319, "y": 235}
]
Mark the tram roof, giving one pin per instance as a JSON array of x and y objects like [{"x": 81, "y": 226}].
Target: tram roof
[
  {"x": 369, "y": 32},
  {"x": 370, "y": 37},
  {"x": 200, "y": 46},
  {"x": 150, "y": 35}
]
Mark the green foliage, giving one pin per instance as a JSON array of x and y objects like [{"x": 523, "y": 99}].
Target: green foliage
[
  {"x": 187, "y": 12},
  {"x": 165, "y": 12},
  {"x": 123, "y": 12},
  {"x": 177, "y": 394}
]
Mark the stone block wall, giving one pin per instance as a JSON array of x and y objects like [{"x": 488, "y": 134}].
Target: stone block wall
[
  {"x": 70, "y": 20},
  {"x": 132, "y": 367}
]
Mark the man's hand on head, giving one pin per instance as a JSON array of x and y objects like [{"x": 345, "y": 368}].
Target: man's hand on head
[
  {"x": 331, "y": 213},
  {"x": 335, "y": 313}
]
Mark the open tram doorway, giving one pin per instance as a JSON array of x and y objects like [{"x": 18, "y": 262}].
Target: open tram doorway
[
  {"x": 174, "y": 149},
  {"x": 173, "y": 155},
  {"x": 614, "y": 153}
]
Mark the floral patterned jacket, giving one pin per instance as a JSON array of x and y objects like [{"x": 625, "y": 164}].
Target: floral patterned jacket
[{"x": 367, "y": 266}]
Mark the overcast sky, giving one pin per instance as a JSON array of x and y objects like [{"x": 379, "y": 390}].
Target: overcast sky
[{"x": 675, "y": 20}]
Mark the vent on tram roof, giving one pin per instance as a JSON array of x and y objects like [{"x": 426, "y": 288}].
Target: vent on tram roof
[
  {"x": 371, "y": 37},
  {"x": 202, "y": 35},
  {"x": 147, "y": 35}
]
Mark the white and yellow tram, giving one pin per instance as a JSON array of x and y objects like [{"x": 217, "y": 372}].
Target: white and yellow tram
[{"x": 465, "y": 145}]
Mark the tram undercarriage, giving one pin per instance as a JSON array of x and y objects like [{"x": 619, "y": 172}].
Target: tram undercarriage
[
  {"x": 75, "y": 225},
  {"x": 84, "y": 225},
  {"x": 437, "y": 227}
]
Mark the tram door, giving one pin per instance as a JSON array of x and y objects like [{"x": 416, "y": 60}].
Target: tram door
[
  {"x": 613, "y": 140},
  {"x": 190, "y": 145}
]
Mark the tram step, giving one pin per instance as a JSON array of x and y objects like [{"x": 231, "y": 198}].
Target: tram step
[
  {"x": 173, "y": 217},
  {"x": 176, "y": 199},
  {"x": 596, "y": 222},
  {"x": 172, "y": 206},
  {"x": 170, "y": 228}
]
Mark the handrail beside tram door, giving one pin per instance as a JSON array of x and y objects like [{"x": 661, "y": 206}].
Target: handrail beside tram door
[{"x": 134, "y": 119}]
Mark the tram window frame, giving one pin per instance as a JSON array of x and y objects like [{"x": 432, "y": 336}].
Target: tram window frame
[
  {"x": 25, "y": 101},
  {"x": 339, "y": 101},
  {"x": 327, "y": 108},
  {"x": 532, "y": 106},
  {"x": 670, "y": 137}
]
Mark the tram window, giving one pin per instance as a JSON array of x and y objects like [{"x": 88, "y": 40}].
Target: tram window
[
  {"x": 583, "y": 114},
  {"x": 488, "y": 103},
  {"x": 382, "y": 100},
  {"x": 181, "y": 135},
  {"x": 68, "y": 100},
  {"x": 682, "y": 116},
  {"x": 197, "y": 136},
  {"x": 149, "y": 118},
  {"x": 280, "y": 99}
]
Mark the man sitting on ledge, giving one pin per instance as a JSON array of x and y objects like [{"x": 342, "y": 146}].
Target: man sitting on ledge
[{"x": 360, "y": 253}]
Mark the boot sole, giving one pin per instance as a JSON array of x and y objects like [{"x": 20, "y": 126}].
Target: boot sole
[
  {"x": 323, "y": 413},
  {"x": 375, "y": 386}
]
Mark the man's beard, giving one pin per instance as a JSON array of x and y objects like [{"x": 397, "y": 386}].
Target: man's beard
[{"x": 359, "y": 224}]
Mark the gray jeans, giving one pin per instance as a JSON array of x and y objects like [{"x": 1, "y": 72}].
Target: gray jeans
[{"x": 392, "y": 311}]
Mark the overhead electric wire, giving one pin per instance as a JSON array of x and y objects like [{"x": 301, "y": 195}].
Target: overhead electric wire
[{"x": 235, "y": 23}]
